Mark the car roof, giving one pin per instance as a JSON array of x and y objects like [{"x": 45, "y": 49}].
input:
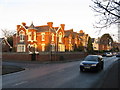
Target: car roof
[{"x": 94, "y": 55}]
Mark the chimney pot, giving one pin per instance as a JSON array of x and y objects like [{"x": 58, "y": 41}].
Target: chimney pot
[
  {"x": 62, "y": 26},
  {"x": 18, "y": 26},
  {"x": 50, "y": 24},
  {"x": 23, "y": 23}
]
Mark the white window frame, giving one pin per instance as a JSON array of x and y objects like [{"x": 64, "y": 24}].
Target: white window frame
[
  {"x": 21, "y": 48},
  {"x": 34, "y": 36},
  {"x": 53, "y": 37},
  {"x": 22, "y": 35},
  {"x": 53, "y": 47},
  {"x": 42, "y": 36},
  {"x": 29, "y": 36},
  {"x": 60, "y": 37},
  {"x": 43, "y": 47}
]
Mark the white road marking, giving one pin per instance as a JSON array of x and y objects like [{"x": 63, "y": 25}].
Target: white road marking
[{"x": 20, "y": 83}]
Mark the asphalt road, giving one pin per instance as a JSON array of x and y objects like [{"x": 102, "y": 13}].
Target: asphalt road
[{"x": 55, "y": 75}]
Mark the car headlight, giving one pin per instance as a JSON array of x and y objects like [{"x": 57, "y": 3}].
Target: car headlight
[
  {"x": 81, "y": 63},
  {"x": 93, "y": 65}
]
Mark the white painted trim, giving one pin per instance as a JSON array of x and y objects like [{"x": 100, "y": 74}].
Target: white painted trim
[
  {"x": 43, "y": 47},
  {"x": 42, "y": 36},
  {"x": 21, "y": 48},
  {"x": 58, "y": 29}
]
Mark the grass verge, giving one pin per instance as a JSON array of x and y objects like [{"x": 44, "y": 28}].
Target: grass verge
[{"x": 7, "y": 69}]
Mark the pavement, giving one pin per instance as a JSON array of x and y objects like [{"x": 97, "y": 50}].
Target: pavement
[{"x": 112, "y": 78}]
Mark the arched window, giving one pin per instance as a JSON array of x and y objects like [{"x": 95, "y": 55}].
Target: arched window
[
  {"x": 21, "y": 34},
  {"x": 60, "y": 37},
  {"x": 34, "y": 36},
  {"x": 52, "y": 37},
  {"x": 43, "y": 36}
]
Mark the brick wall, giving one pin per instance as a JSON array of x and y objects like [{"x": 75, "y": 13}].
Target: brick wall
[{"x": 42, "y": 56}]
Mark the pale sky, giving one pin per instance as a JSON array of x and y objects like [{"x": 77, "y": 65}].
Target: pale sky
[{"x": 74, "y": 14}]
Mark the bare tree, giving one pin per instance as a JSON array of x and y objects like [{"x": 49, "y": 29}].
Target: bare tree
[
  {"x": 7, "y": 33},
  {"x": 108, "y": 12}
]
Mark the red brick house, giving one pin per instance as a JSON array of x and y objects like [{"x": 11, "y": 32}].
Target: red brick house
[{"x": 46, "y": 38}]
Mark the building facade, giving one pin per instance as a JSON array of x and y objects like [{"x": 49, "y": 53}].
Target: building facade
[
  {"x": 47, "y": 38},
  {"x": 105, "y": 42}
]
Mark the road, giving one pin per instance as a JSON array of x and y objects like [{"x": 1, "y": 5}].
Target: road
[{"x": 55, "y": 75}]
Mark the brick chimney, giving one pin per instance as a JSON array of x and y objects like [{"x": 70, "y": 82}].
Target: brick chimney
[
  {"x": 81, "y": 31},
  {"x": 23, "y": 23},
  {"x": 62, "y": 26},
  {"x": 18, "y": 26},
  {"x": 50, "y": 24}
]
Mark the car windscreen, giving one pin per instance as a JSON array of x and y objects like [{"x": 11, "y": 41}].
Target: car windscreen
[{"x": 91, "y": 58}]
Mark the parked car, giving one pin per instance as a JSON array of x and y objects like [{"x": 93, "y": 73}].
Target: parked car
[
  {"x": 92, "y": 62},
  {"x": 104, "y": 54},
  {"x": 114, "y": 53},
  {"x": 109, "y": 54}
]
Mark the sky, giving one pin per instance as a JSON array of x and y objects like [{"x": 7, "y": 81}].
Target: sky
[{"x": 75, "y": 14}]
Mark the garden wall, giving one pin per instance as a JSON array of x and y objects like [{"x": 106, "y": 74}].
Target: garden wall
[{"x": 43, "y": 56}]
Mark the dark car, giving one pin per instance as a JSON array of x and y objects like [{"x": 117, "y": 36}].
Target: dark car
[
  {"x": 107, "y": 54},
  {"x": 92, "y": 62}
]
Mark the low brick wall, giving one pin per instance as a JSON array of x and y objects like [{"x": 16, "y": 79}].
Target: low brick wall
[
  {"x": 16, "y": 56},
  {"x": 43, "y": 56}
]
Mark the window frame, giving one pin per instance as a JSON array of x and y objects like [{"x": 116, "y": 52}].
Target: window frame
[
  {"x": 21, "y": 48},
  {"x": 42, "y": 36},
  {"x": 22, "y": 36}
]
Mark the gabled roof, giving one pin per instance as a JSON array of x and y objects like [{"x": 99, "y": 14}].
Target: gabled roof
[
  {"x": 80, "y": 34},
  {"x": 56, "y": 28},
  {"x": 68, "y": 32},
  {"x": 75, "y": 34},
  {"x": 45, "y": 29}
]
